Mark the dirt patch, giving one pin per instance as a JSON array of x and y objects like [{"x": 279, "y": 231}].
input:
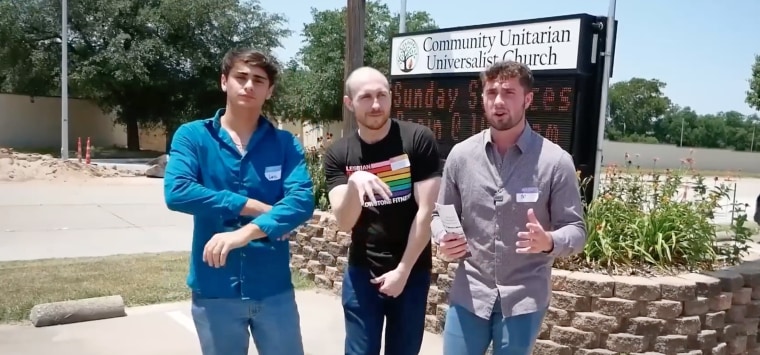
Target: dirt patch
[{"x": 15, "y": 166}]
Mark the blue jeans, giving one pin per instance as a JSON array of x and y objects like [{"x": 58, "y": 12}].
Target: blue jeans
[
  {"x": 467, "y": 334},
  {"x": 225, "y": 325},
  {"x": 365, "y": 309}
]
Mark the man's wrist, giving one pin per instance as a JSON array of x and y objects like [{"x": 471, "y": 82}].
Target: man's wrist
[
  {"x": 351, "y": 184},
  {"x": 551, "y": 243},
  {"x": 252, "y": 232},
  {"x": 255, "y": 208},
  {"x": 403, "y": 269}
]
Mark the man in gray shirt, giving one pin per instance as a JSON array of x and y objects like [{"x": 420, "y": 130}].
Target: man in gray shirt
[{"x": 518, "y": 197}]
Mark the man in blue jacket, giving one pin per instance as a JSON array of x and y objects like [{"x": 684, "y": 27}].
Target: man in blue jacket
[{"x": 247, "y": 185}]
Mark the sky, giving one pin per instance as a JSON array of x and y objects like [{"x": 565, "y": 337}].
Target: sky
[{"x": 702, "y": 49}]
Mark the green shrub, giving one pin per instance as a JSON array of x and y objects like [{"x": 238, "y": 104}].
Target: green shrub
[
  {"x": 647, "y": 220},
  {"x": 317, "y": 172}
]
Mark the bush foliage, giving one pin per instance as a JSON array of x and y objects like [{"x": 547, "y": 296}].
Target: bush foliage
[
  {"x": 317, "y": 171},
  {"x": 643, "y": 219}
]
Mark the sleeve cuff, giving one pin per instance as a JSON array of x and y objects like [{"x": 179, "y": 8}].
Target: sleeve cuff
[
  {"x": 560, "y": 242},
  {"x": 236, "y": 203},
  {"x": 268, "y": 226}
]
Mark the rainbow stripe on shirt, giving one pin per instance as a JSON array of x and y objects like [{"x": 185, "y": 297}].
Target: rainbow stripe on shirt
[{"x": 396, "y": 172}]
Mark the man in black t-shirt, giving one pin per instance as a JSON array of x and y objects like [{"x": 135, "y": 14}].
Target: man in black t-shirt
[{"x": 383, "y": 182}]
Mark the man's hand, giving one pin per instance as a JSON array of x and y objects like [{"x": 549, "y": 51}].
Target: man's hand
[
  {"x": 392, "y": 282},
  {"x": 218, "y": 247},
  {"x": 368, "y": 184},
  {"x": 453, "y": 246},
  {"x": 536, "y": 239}
]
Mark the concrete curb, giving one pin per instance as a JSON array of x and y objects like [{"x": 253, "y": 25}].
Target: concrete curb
[{"x": 82, "y": 310}]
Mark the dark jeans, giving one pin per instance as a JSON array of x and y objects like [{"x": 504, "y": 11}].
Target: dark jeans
[
  {"x": 225, "y": 325},
  {"x": 366, "y": 309}
]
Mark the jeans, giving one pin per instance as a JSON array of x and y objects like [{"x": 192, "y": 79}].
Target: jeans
[
  {"x": 467, "y": 334},
  {"x": 224, "y": 325},
  {"x": 366, "y": 309}
]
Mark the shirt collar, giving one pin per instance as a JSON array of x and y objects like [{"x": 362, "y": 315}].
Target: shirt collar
[
  {"x": 523, "y": 141},
  {"x": 217, "y": 123}
]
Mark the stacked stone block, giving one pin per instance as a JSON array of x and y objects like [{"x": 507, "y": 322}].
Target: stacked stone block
[{"x": 715, "y": 312}]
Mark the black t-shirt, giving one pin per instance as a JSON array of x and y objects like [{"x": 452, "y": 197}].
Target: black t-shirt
[{"x": 408, "y": 154}]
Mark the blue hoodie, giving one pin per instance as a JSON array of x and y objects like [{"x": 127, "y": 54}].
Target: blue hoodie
[{"x": 208, "y": 178}]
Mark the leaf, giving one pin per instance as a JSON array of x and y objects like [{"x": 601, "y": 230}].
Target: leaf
[
  {"x": 315, "y": 87},
  {"x": 149, "y": 61}
]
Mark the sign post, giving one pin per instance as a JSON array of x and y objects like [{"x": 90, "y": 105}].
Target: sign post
[{"x": 435, "y": 79}]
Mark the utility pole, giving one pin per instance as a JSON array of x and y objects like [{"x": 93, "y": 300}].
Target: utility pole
[
  {"x": 605, "y": 88},
  {"x": 356, "y": 13},
  {"x": 64, "y": 80},
  {"x": 402, "y": 18}
]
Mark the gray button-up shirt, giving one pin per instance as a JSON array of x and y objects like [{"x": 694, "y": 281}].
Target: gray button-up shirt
[{"x": 486, "y": 189}]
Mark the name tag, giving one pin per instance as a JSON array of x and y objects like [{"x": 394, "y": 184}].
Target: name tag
[
  {"x": 400, "y": 162},
  {"x": 528, "y": 195},
  {"x": 273, "y": 173}
]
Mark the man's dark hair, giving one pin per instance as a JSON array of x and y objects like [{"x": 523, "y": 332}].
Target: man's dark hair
[
  {"x": 507, "y": 70},
  {"x": 251, "y": 57}
]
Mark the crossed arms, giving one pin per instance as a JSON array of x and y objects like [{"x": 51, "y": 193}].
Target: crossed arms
[{"x": 184, "y": 193}]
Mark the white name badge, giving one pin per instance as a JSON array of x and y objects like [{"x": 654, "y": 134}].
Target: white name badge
[
  {"x": 400, "y": 162},
  {"x": 528, "y": 194},
  {"x": 273, "y": 173}
]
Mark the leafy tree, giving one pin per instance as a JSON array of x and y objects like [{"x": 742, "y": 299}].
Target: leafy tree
[
  {"x": 753, "y": 94},
  {"x": 641, "y": 113},
  {"x": 634, "y": 106},
  {"x": 30, "y": 54},
  {"x": 668, "y": 129},
  {"x": 320, "y": 67},
  {"x": 151, "y": 62}
]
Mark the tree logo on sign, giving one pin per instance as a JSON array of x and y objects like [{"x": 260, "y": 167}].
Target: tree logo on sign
[{"x": 407, "y": 54}]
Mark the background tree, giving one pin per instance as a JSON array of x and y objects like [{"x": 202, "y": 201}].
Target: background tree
[
  {"x": 634, "y": 106},
  {"x": 150, "y": 62},
  {"x": 320, "y": 62},
  {"x": 753, "y": 94},
  {"x": 640, "y": 112}
]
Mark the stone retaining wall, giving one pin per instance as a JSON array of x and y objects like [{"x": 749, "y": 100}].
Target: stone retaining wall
[{"x": 712, "y": 313}]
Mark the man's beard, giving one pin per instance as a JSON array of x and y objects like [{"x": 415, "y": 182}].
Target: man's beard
[
  {"x": 373, "y": 122},
  {"x": 507, "y": 121}
]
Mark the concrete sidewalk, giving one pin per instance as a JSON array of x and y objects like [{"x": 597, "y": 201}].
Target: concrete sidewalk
[
  {"x": 100, "y": 217},
  {"x": 168, "y": 329}
]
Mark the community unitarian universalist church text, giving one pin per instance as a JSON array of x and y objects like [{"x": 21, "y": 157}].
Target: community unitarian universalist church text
[{"x": 487, "y": 54}]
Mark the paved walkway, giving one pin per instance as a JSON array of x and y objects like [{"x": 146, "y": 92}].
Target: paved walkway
[
  {"x": 168, "y": 330},
  {"x": 100, "y": 217}
]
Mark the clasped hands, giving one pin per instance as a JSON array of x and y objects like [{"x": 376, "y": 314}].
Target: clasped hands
[{"x": 534, "y": 240}]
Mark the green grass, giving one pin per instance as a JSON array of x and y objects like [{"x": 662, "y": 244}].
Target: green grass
[{"x": 141, "y": 279}]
